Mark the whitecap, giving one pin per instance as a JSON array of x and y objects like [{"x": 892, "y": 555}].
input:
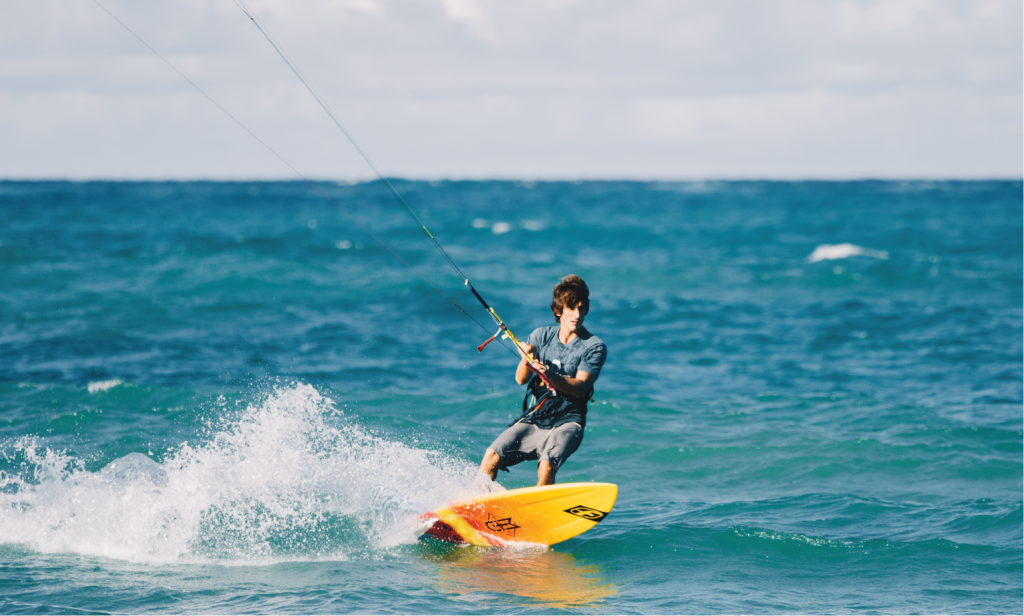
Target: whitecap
[
  {"x": 135, "y": 468},
  {"x": 827, "y": 252},
  {"x": 96, "y": 386}
]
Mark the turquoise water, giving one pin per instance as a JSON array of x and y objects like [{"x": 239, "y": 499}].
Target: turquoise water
[{"x": 225, "y": 397}]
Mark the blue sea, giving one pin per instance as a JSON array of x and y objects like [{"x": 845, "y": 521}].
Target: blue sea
[{"x": 226, "y": 397}]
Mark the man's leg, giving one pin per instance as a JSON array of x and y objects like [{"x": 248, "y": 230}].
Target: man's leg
[
  {"x": 559, "y": 445},
  {"x": 510, "y": 444},
  {"x": 489, "y": 465},
  {"x": 545, "y": 473}
]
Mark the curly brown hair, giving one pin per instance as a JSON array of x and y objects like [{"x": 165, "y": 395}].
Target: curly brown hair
[{"x": 570, "y": 291}]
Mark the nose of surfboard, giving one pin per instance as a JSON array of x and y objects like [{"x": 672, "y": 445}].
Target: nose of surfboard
[{"x": 543, "y": 515}]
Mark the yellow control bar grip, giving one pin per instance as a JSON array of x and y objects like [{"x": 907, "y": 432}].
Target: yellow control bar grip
[{"x": 509, "y": 332}]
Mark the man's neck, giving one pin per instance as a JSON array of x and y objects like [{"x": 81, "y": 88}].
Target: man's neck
[{"x": 565, "y": 336}]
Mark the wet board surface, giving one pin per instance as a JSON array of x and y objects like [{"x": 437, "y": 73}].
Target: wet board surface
[{"x": 543, "y": 515}]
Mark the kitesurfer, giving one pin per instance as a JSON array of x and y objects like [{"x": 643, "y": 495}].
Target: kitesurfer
[{"x": 570, "y": 357}]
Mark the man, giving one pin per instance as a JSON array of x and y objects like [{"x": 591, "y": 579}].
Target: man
[{"x": 570, "y": 357}]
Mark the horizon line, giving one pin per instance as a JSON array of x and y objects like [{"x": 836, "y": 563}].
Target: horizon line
[{"x": 516, "y": 179}]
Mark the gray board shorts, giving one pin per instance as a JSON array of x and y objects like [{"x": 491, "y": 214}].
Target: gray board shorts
[{"x": 524, "y": 441}]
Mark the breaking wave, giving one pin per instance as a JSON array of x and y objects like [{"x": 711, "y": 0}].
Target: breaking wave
[
  {"x": 290, "y": 479},
  {"x": 829, "y": 252}
]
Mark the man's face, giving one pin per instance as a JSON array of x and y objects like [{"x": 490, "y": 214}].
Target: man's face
[{"x": 572, "y": 318}]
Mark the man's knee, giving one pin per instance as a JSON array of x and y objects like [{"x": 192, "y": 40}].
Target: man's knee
[{"x": 489, "y": 465}]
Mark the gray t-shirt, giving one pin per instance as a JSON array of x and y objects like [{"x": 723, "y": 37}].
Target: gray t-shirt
[{"x": 584, "y": 352}]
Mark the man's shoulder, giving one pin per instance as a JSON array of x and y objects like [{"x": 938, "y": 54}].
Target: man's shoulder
[{"x": 590, "y": 340}]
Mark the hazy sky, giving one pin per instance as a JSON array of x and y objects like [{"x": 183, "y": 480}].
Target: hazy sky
[{"x": 523, "y": 89}]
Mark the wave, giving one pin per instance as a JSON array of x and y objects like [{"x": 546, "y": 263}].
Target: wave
[
  {"x": 843, "y": 251},
  {"x": 98, "y": 386},
  {"x": 290, "y": 479}
]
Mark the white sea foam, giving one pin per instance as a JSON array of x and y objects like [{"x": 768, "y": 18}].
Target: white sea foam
[
  {"x": 96, "y": 386},
  {"x": 826, "y": 252},
  {"x": 290, "y": 479}
]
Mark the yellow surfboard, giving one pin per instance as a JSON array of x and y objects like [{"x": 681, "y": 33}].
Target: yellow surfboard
[{"x": 543, "y": 515}]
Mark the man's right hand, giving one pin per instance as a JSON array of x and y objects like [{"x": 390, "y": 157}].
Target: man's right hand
[
  {"x": 529, "y": 360},
  {"x": 528, "y": 352}
]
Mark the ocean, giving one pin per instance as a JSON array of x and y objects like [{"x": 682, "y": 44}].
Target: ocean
[{"x": 226, "y": 397}]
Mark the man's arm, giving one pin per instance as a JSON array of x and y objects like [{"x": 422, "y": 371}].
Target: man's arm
[
  {"x": 578, "y": 387},
  {"x": 523, "y": 373}
]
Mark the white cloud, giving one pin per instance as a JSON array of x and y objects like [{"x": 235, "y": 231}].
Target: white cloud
[
  {"x": 463, "y": 10},
  {"x": 795, "y": 88}
]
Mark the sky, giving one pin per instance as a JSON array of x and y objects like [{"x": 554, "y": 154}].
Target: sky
[{"x": 554, "y": 89}]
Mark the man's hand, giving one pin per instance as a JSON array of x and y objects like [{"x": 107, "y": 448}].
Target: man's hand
[{"x": 529, "y": 354}]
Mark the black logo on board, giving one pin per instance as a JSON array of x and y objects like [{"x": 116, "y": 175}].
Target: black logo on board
[
  {"x": 499, "y": 525},
  {"x": 587, "y": 513}
]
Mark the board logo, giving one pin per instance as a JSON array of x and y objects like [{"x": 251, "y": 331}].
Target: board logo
[
  {"x": 587, "y": 513},
  {"x": 499, "y": 525}
]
